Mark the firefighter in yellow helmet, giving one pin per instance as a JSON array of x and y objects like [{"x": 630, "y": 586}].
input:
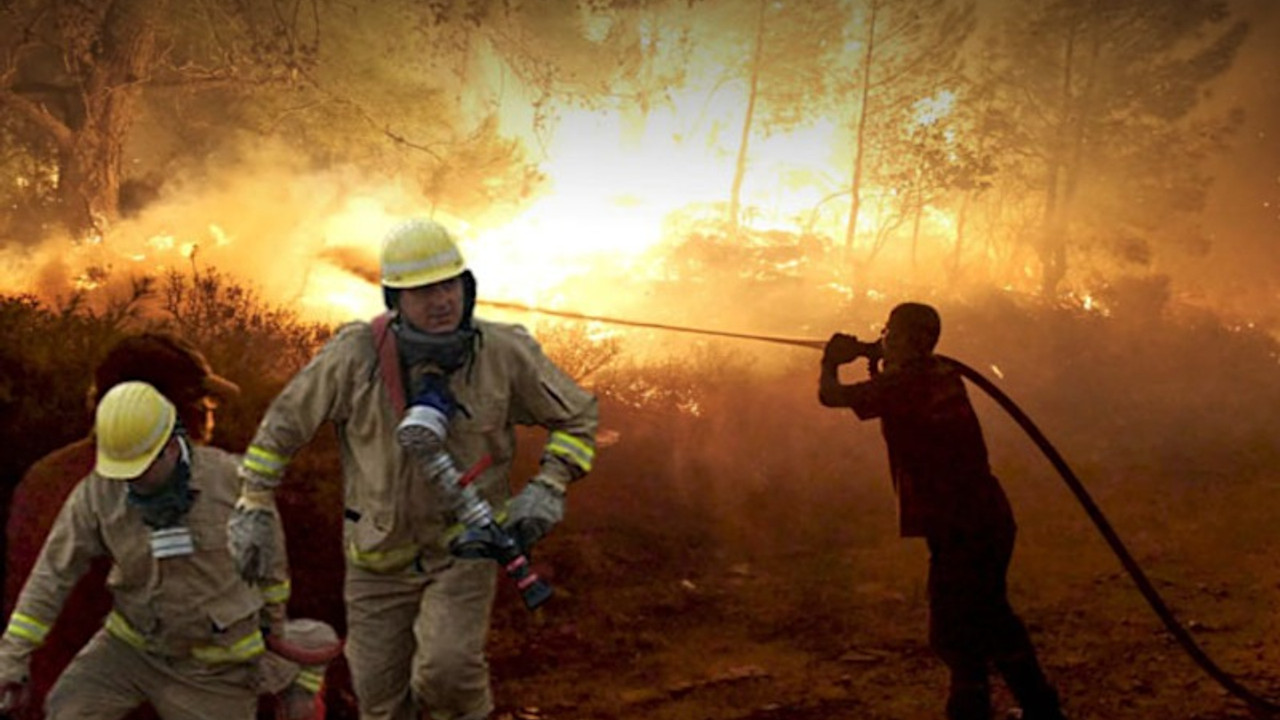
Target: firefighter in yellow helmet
[
  {"x": 184, "y": 632},
  {"x": 417, "y": 615}
]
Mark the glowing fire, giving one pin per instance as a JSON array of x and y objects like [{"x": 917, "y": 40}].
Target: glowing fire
[{"x": 616, "y": 177}]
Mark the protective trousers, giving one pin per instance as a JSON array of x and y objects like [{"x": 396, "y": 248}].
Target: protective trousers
[
  {"x": 109, "y": 678},
  {"x": 416, "y": 638},
  {"x": 972, "y": 625}
]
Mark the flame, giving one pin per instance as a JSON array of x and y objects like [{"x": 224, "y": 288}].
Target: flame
[{"x": 622, "y": 184}]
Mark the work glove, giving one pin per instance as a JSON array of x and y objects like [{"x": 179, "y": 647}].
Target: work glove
[
  {"x": 842, "y": 348},
  {"x": 538, "y": 508},
  {"x": 13, "y": 696},
  {"x": 14, "y": 671},
  {"x": 251, "y": 534}
]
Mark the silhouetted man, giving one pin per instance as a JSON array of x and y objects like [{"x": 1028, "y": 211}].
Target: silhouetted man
[{"x": 947, "y": 495}]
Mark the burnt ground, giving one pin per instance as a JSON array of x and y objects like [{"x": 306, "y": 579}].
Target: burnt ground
[
  {"x": 734, "y": 554},
  {"x": 835, "y": 628}
]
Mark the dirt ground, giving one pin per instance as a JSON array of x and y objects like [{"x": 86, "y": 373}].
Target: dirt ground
[
  {"x": 830, "y": 621},
  {"x": 742, "y": 561}
]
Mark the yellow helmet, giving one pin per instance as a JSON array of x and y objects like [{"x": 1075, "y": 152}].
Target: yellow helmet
[
  {"x": 132, "y": 424},
  {"x": 420, "y": 252}
]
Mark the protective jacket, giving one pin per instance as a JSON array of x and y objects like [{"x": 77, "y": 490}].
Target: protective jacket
[
  {"x": 393, "y": 513},
  {"x": 187, "y": 606}
]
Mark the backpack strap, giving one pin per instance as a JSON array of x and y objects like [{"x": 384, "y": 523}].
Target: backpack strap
[{"x": 384, "y": 341}]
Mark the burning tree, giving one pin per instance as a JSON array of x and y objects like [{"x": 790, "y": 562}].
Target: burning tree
[
  {"x": 785, "y": 72},
  {"x": 906, "y": 48},
  {"x": 1102, "y": 101},
  {"x": 74, "y": 73}
]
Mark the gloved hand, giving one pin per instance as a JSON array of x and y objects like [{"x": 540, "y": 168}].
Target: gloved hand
[
  {"x": 13, "y": 696},
  {"x": 251, "y": 534},
  {"x": 842, "y": 348},
  {"x": 537, "y": 509}
]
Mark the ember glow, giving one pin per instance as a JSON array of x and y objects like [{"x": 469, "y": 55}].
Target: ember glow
[
  {"x": 634, "y": 177},
  {"x": 618, "y": 186}
]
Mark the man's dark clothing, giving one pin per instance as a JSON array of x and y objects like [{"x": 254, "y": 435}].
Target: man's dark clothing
[
  {"x": 947, "y": 494},
  {"x": 937, "y": 456}
]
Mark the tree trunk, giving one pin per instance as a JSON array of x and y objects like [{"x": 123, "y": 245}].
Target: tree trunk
[
  {"x": 740, "y": 167},
  {"x": 915, "y": 232},
  {"x": 89, "y": 180},
  {"x": 962, "y": 219},
  {"x": 859, "y": 143},
  {"x": 110, "y": 72},
  {"x": 1051, "y": 248},
  {"x": 1075, "y": 163}
]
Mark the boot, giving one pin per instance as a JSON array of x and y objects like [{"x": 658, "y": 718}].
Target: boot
[
  {"x": 969, "y": 695},
  {"x": 1039, "y": 699}
]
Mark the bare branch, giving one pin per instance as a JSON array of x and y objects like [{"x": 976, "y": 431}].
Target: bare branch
[
  {"x": 369, "y": 118},
  {"x": 37, "y": 114},
  {"x": 401, "y": 140}
]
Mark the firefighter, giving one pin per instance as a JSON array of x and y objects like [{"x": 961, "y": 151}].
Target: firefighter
[
  {"x": 183, "y": 375},
  {"x": 417, "y": 617},
  {"x": 184, "y": 630},
  {"x": 947, "y": 495}
]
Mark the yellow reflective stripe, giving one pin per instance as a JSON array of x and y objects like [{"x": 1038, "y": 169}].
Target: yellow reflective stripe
[
  {"x": 448, "y": 256},
  {"x": 277, "y": 594},
  {"x": 119, "y": 627},
  {"x": 382, "y": 561},
  {"x": 27, "y": 628},
  {"x": 572, "y": 449},
  {"x": 264, "y": 461},
  {"x": 246, "y": 648},
  {"x": 310, "y": 679},
  {"x": 454, "y": 530}
]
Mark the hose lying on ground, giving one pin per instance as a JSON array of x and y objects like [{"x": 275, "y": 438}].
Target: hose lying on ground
[{"x": 1258, "y": 706}]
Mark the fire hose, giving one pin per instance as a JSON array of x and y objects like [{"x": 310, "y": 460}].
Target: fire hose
[
  {"x": 1259, "y": 706},
  {"x": 422, "y": 433}
]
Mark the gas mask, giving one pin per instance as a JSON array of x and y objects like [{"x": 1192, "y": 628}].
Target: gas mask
[
  {"x": 448, "y": 351},
  {"x": 167, "y": 507}
]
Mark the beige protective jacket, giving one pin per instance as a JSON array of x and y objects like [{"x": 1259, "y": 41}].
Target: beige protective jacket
[
  {"x": 392, "y": 512},
  {"x": 193, "y": 605}
]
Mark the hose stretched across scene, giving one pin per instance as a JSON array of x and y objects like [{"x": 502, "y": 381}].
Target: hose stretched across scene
[{"x": 1259, "y": 706}]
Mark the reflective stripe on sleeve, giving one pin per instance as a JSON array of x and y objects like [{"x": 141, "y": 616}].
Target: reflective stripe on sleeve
[
  {"x": 277, "y": 594},
  {"x": 310, "y": 679},
  {"x": 264, "y": 461},
  {"x": 27, "y": 628},
  {"x": 572, "y": 449}
]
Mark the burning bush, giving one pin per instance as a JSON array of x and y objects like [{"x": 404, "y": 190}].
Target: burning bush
[{"x": 725, "y": 471}]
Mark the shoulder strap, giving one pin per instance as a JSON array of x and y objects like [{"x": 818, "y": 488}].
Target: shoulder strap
[{"x": 384, "y": 341}]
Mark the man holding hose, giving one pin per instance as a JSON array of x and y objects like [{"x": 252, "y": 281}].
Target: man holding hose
[{"x": 947, "y": 495}]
